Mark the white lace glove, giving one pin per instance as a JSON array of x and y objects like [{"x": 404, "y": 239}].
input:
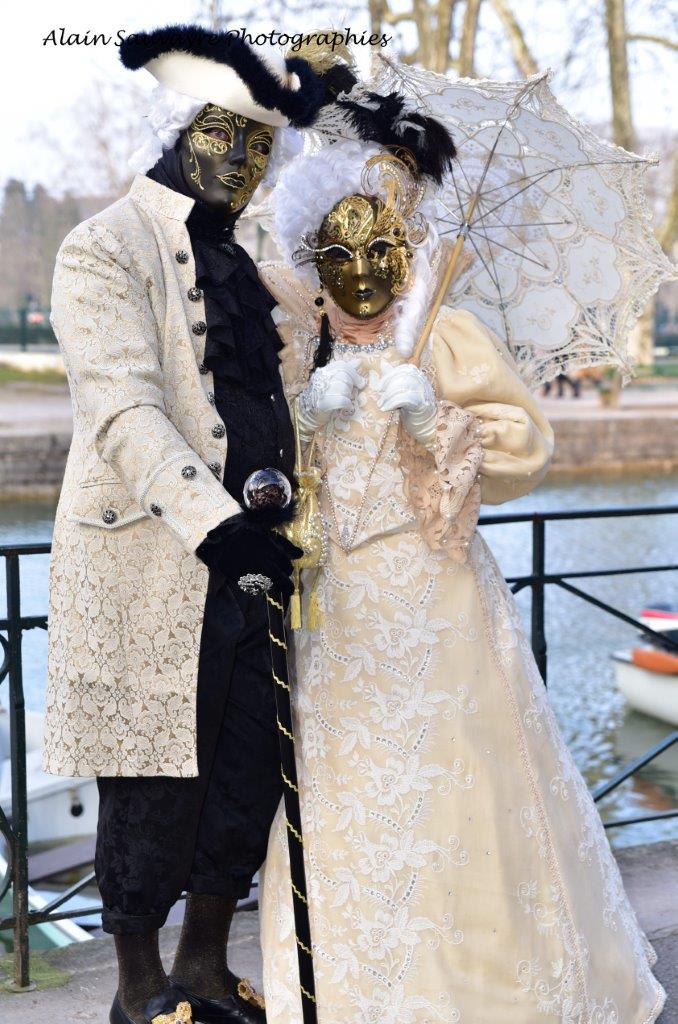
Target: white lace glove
[
  {"x": 331, "y": 389},
  {"x": 406, "y": 388}
]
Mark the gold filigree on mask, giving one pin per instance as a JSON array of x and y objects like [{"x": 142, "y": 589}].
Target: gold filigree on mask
[
  {"x": 381, "y": 225},
  {"x": 211, "y": 118},
  {"x": 258, "y": 144},
  {"x": 397, "y": 176},
  {"x": 257, "y": 151},
  {"x": 359, "y": 226}
]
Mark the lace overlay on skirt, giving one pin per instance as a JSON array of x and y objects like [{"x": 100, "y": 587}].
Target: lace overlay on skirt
[{"x": 458, "y": 871}]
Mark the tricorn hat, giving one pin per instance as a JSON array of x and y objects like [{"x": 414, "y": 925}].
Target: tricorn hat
[{"x": 222, "y": 68}]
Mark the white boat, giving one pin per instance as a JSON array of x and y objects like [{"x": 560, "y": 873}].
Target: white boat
[
  {"x": 652, "y": 692},
  {"x": 660, "y": 617},
  {"x": 59, "y": 809}
]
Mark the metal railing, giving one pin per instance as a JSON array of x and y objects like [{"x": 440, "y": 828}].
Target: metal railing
[{"x": 16, "y": 624}]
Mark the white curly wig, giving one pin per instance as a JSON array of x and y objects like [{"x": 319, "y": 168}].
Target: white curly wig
[
  {"x": 170, "y": 112},
  {"x": 309, "y": 187}
]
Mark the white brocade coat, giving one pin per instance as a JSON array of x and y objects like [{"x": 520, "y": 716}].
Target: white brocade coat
[
  {"x": 127, "y": 591},
  {"x": 458, "y": 870}
]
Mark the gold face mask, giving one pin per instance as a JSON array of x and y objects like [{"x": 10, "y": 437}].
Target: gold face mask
[
  {"x": 224, "y": 157},
  {"x": 363, "y": 250},
  {"x": 362, "y": 255}
]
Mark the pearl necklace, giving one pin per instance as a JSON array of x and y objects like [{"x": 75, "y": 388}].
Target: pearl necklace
[{"x": 384, "y": 340}]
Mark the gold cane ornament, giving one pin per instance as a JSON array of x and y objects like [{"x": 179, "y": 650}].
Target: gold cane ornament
[{"x": 307, "y": 531}]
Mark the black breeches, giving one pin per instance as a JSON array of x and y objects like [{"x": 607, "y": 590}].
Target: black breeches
[{"x": 159, "y": 836}]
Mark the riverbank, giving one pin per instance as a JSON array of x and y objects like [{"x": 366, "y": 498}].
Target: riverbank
[
  {"x": 641, "y": 436},
  {"x": 85, "y": 973}
]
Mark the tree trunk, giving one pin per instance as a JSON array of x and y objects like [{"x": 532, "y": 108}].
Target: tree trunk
[
  {"x": 668, "y": 231},
  {"x": 467, "y": 43},
  {"x": 423, "y": 20},
  {"x": 620, "y": 91},
  {"x": 376, "y": 9},
  {"x": 641, "y": 340},
  {"x": 441, "y": 45},
  {"x": 520, "y": 51}
]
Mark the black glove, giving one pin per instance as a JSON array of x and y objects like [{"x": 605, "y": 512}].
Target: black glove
[{"x": 238, "y": 547}]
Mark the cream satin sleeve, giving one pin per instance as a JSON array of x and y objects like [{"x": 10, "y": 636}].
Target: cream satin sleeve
[
  {"x": 295, "y": 318},
  {"x": 476, "y": 372}
]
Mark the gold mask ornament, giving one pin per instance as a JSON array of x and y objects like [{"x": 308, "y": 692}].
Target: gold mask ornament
[{"x": 224, "y": 156}]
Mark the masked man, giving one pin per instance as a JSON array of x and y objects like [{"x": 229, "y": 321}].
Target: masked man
[{"x": 159, "y": 665}]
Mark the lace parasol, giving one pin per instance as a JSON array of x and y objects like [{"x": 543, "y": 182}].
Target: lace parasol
[{"x": 556, "y": 219}]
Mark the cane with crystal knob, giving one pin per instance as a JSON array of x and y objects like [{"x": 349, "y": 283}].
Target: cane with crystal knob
[{"x": 268, "y": 490}]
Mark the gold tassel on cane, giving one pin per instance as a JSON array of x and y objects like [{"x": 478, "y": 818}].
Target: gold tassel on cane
[
  {"x": 306, "y": 531},
  {"x": 295, "y": 600},
  {"x": 315, "y": 616}
]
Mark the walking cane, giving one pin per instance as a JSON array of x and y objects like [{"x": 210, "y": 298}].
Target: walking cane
[{"x": 270, "y": 489}]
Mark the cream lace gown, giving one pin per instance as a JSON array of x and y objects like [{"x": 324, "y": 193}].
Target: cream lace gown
[{"x": 457, "y": 867}]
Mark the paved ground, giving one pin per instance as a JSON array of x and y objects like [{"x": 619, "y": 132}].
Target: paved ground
[
  {"x": 35, "y": 409},
  {"x": 86, "y": 973},
  {"x": 89, "y": 969},
  {"x": 635, "y": 399},
  {"x": 47, "y": 408}
]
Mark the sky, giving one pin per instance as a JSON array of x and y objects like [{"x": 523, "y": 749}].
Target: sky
[{"x": 42, "y": 82}]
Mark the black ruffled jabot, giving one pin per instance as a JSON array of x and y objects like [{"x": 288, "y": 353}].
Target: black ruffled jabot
[{"x": 242, "y": 341}]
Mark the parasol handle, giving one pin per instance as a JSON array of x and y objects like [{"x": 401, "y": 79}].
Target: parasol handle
[{"x": 445, "y": 280}]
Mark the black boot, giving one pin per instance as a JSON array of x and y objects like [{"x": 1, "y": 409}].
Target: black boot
[
  {"x": 200, "y": 968},
  {"x": 144, "y": 990},
  {"x": 169, "y": 1008}
]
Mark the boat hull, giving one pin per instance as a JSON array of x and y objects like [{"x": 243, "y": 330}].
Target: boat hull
[{"x": 653, "y": 693}]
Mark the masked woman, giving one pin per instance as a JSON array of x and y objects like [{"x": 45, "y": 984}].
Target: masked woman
[{"x": 457, "y": 867}]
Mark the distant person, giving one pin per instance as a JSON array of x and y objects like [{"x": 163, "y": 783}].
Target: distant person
[{"x": 561, "y": 380}]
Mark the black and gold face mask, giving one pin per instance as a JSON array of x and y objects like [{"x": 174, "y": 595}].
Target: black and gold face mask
[{"x": 224, "y": 157}]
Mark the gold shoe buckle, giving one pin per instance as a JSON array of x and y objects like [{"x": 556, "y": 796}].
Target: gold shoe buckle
[
  {"x": 182, "y": 1015},
  {"x": 247, "y": 991}
]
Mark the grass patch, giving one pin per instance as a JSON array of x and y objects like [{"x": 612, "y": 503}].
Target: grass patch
[
  {"x": 43, "y": 974},
  {"x": 10, "y": 374},
  {"x": 665, "y": 370}
]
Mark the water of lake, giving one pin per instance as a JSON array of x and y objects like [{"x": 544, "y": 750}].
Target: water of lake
[{"x": 600, "y": 729}]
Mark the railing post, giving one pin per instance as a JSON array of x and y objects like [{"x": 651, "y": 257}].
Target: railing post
[
  {"x": 538, "y": 570},
  {"x": 17, "y": 713}
]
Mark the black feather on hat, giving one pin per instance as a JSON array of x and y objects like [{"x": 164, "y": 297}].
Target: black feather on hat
[
  {"x": 388, "y": 121},
  {"x": 299, "y": 106}
]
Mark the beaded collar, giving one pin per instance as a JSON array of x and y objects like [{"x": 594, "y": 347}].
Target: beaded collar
[
  {"x": 344, "y": 348},
  {"x": 352, "y": 336}
]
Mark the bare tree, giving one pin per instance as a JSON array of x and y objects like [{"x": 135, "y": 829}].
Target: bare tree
[
  {"x": 522, "y": 55},
  {"x": 106, "y": 126},
  {"x": 620, "y": 89},
  {"x": 468, "y": 39}
]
